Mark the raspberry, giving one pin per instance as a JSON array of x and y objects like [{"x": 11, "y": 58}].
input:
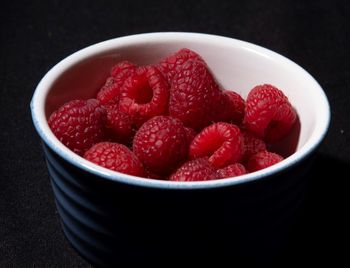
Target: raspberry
[
  {"x": 151, "y": 175},
  {"x": 262, "y": 160},
  {"x": 268, "y": 113},
  {"x": 222, "y": 142},
  {"x": 161, "y": 144},
  {"x": 119, "y": 124},
  {"x": 169, "y": 65},
  {"x": 194, "y": 95},
  {"x": 111, "y": 90},
  {"x": 79, "y": 124},
  {"x": 144, "y": 94},
  {"x": 123, "y": 69},
  {"x": 252, "y": 145},
  {"x": 116, "y": 157},
  {"x": 234, "y": 106},
  {"x": 194, "y": 170},
  {"x": 230, "y": 171},
  {"x": 190, "y": 134}
]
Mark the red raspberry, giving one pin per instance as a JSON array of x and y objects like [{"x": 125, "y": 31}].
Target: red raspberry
[
  {"x": 269, "y": 113},
  {"x": 222, "y": 142},
  {"x": 111, "y": 90},
  {"x": 194, "y": 95},
  {"x": 194, "y": 170},
  {"x": 234, "y": 106},
  {"x": 262, "y": 160},
  {"x": 119, "y": 124},
  {"x": 123, "y": 69},
  {"x": 151, "y": 175},
  {"x": 252, "y": 145},
  {"x": 190, "y": 133},
  {"x": 116, "y": 157},
  {"x": 161, "y": 144},
  {"x": 79, "y": 124},
  {"x": 144, "y": 94},
  {"x": 232, "y": 170},
  {"x": 169, "y": 65}
]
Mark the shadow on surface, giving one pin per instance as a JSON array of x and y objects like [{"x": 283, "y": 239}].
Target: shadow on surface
[{"x": 317, "y": 236}]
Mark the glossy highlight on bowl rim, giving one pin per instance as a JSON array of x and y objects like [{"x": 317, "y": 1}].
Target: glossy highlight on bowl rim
[{"x": 40, "y": 122}]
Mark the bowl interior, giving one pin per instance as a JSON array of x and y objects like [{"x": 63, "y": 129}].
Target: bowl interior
[{"x": 237, "y": 65}]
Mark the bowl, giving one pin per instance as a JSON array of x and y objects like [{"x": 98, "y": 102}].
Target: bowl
[{"x": 112, "y": 218}]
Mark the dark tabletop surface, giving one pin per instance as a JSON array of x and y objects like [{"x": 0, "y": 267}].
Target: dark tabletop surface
[{"x": 38, "y": 34}]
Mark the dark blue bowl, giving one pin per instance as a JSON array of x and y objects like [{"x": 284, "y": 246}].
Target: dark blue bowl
[{"x": 112, "y": 218}]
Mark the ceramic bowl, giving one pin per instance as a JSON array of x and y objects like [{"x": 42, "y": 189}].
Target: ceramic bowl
[{"x": 113, "y": 218}]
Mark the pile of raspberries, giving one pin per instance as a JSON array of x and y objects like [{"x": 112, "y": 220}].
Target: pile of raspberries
[{"x": 173, "y": 121}]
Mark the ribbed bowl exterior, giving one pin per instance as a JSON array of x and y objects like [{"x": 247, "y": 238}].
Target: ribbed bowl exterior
[{"x": 113, "y": 223}]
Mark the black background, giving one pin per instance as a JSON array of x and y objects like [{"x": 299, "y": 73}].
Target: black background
[{"x": 35, "y": 35}]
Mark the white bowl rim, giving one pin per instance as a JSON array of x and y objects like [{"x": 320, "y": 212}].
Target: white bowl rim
[{"x": 37, "y": 106}]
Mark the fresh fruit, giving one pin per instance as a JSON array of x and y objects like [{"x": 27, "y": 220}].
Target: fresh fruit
[
  {"x": 151, "y": 175},
  {"x": 123, "y": 69},
  {"x": 119, "y": 124},
  {"x": 234, "y": 110},
  {"x": 116, "y": 157},
  {"x": 194, "y": 170},
  {"x": 221, "y": 142},
  {"x": 161, "y": 144},
  {"x": 232, "y": 170},
  {"x": 181, "y": 124},
  {"x": 79, "y": 124},
  {"x": 262, "y": 160},
  {"x": 190, "y": 134},
  {"x": 195, "y": 97},
  {"x": 144, "y": 95},
  {"x": 252, "y": 145},
  {"x": 268, "y": 113},
  {"x": 169, "y": 66},
  {"x": 111, "y": 90}
]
